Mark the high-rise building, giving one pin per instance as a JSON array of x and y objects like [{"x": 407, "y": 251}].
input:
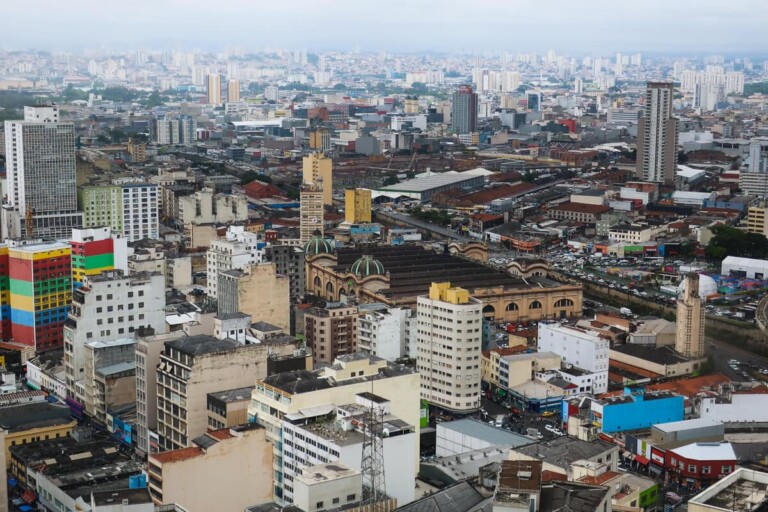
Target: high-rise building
[
  {"x": 464, "y": 110},
  {"x": 331, "y": 331},
  {"x": 689, "y": 341},
  {"x": 657, "y": 135},
  {"x": 213, "y": 88},
  {"x": 289, "y": 261},
  {"x": 384, "y": 333},
  {"x": 449, "y": 342},
  {"x": 40, "y": 162},
  {"x": 585, "y": 350},
  {"x": 233, "y": 91},
  {"x": 110, "y": 306},
  {"x": 193, "y": 366},
  {"x": 757, "y": 161},
  {"x": 316, "y": 167},
  {"x": 757, "y": 219},
  {"x": 40, "y": 293},
  {"x": 131, "y": 209},
  {"x": 311, "y": 211},
  {"x": 238, "y": 250},
  {"x": 5, "y": 295},
  {"x": 357, "y": 205},
  {"x": 534, "y": 101},
  {"x": 96, "y": 250}
]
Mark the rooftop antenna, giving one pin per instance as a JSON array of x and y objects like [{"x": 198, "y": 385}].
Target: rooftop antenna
[{"x": 372, "y": 464}]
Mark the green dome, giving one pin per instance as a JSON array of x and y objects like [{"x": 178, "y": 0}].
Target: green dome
[
  {"x": 317, "y": 245},
  {"x": 367, "y": 266}
]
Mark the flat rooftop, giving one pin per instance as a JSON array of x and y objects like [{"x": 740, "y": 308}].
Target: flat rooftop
[
  {"x": 429, "y": 182},
  {"x": 485, "y": 432},
  {"x": 659, "y": 355},
  {"x": 233, "y": 395},
  {"x": 562, "y": 451}
]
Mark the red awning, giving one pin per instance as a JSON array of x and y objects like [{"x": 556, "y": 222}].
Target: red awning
[
  {"x": 29, "y": 496},
  {"x": 642, "y": 460}
]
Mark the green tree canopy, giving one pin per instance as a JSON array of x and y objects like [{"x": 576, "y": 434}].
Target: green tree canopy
[{"x": 729, "y": 241}]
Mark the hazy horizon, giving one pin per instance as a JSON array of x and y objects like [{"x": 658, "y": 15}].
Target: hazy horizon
[{"x": 453, "y": 26}]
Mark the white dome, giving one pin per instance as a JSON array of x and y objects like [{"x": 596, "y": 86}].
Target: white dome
[{"x": 707, "y": 287}]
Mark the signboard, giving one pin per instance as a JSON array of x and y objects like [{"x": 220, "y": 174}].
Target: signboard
[
  {"x": 424, "y": 419},
  {"x": 657, "y": 456},
  {"x": 122, "y": 431},
  {"x": 154, "y": 442}
]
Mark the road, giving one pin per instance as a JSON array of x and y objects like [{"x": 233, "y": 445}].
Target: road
[{"x": 722, "y": 353}]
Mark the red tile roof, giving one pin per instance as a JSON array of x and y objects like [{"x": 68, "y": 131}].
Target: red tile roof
[{"x": 177, "y": 455}]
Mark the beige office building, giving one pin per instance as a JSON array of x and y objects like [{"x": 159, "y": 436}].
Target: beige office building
[
  {"x": 256, "y": 290},
  {"x": 311, "y": 211},
  {"x": 448, "y": 347},
  {"x": 657, "y": 135},
  {"x": 689, "y": 341},
  {"x": 317, "y": 167}
]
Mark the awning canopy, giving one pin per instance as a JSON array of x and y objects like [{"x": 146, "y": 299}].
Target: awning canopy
[
  {"x": 642, "y": 460},
  {"x": 655, "y": 469}
]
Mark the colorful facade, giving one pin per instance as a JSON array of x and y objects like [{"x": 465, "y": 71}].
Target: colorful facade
[
  {"x": 92, "y": 254},
  {"x": 40, "y": 288},
  {"x": 5, "y": 295}
]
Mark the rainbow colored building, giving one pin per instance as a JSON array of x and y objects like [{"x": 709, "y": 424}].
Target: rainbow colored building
[
  {"x": 93, "y": 252},
  {"x": 40, "y": 293},
  {"x": 5, "y": 295}
]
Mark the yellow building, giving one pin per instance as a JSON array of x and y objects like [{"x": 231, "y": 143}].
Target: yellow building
[
  {"x": 357, "y": 205},
  {"x": 137, "y": 151},
  {"x": 756, "y": 220},
  {"x": 311, "y": 211},
  {"x": 233, "y": 91},
  {"x": 320, "y": 139},
  {"x": 256, "y": 290},
  {"x": 315, "y": 167},
  {"x": 238, "y": 460},
  {"x": 36, "y": 421}
]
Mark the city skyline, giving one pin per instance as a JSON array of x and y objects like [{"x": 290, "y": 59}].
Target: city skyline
[{"x": 452, "y": 26}]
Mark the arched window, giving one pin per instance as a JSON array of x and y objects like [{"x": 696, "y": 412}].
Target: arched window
[
  {"x": 489, "y": 311},
  {"x": 512, "y": 307},
  {"x": 564, "y": 303},
  {"x": 318, "y": 283},
  {"x": 329, "y": 289},
  {"x": 535, "y": 305}
]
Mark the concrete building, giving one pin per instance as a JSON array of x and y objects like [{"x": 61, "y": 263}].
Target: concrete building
[
  {"x": 148, "y": 350},
  {"x": 757, "y": 219},
  {"x": 331, "y": 331},
  {"x": 110, "y": 306},
  {"x": 679, "y": 433},
  {"x": 213, "y": 88},
  {"x": 41, "y": 183},
  {"x": 424, "y": 187},
  {"x": 122, "y": 500},
  {"x": 131, "y": 209},
  {"x": 583, "y": 349},
  {"x": 192, "y": 367},
  {"x": 464, "y": 111},
  {"x": 233, "y": 90},
  {"x": 517, "y": 369},
  {"x": 699, "y": 465},
  {"x": 258, "y": 291},
  {"x": 657, "y": 134},
  {"x": 636, "y": 409},
  {"x": 382, "y": 333},
  {"x": 690, "y": 341},
  {"x": 316, "y": 167},
  {"x": 466, "y": 435},
  {"x": 207, "y": 207},
  {"x": 357, "y": 205},
  {"x": 289, "y": 393},
  {"x": 449, "y": 342},
  {"x": 732, "y": 493},
  {"x": 335, "y": 433},
  {"x": 237, "y": 250},
  {"x": 742, "y": 408},
  {"x": 289, "y": 261},
  {"x": 558, "y": 454},
  {"x": 757, "y": 161},
  {"x": 108, "y": 377},
  {"x": 238, "y": 459},
  {"x": 31, "y": 422},
  {"x": 96, "y": 250},
  {"x": 228, "y": 408},
  {"x": 311, "y": 211},
  {"x": 328, "y": 486}
]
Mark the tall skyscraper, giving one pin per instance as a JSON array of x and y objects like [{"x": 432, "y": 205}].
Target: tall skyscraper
[
  {"x": 213, "y": 83},
  {"x": 319, "y": 167},
  {"x": 449, "y": 340},
  {"x": 657, "y": 134},
  {"x": 310, "y": 210},
  {"x": 40, "y": 161},
  {"x": 689, "y": 341},
  {"x": 464, "y": 110},
  {"x": 233, "y": 91}
]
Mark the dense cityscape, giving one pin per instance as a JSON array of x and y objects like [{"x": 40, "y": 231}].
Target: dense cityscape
[{"x": 264, "y": 279}]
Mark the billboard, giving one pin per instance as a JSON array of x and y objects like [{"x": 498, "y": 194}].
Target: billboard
[
  {"x": 122, "y": 431},
  {"x": 424, "y": 419}
]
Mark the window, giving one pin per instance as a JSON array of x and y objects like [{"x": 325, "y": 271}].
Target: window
[
  {"x": 336, "y": 500},
  {"x": 691, "y": 468},
  {"x": 319, "y": 504},
  {"x": 535, "y": 305},
  {"x": 350, "y": 497},
  {"x": 705, "y": 470}
]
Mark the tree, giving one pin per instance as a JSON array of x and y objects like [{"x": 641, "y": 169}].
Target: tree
[
  {"x": 249, "y": 176},
  {"x": 392, "y": 180},
  {"x": 729, "y": 241}
]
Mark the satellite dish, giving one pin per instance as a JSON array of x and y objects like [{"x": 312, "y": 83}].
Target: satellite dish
[{"x": 313, "y": 220}]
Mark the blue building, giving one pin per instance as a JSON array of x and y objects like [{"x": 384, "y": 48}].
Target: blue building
[{"x": 636, "y": 409}]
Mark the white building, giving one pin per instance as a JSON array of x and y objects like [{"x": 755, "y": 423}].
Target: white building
[
  {"x": 237, "y": 250},
  {"x": 466, "y": 435},
  {"x": 449, "y": 340},
  {"x": 684, "y": 197},
  {"x": 382, "y": 333},
  {"x": 743, "y": 408},
  {"x": 141, "y": 209},
  {"x": 331, "y": 485},
  {"x": 758, "y": 155},
  {"x": 583, "y": 349},
  {"x": 207, "y": 207},
  {"x": 40, "y": 163},
  {"x": 108, "y": 307},
  {"x": 748, "y": 268},
  {"x": 329, "y": 433}
]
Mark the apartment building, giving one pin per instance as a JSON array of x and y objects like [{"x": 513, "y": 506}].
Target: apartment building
[
  {"x": 131, "y": 209},
  {"x": 578, "y": 348},
  {"x": 383, "y": 333},
  {"x": 449, "y": 342},
  {"x": 110, "y": 306},
  {"x": 331, "y": 331},
  {"x": 258, "y": 291},
  {"x": 237, "y": 250},
  {"x": 190, "y": 368}
]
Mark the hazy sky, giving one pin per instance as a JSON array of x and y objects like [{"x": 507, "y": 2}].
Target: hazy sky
[{"x": 571, "y": 26}]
